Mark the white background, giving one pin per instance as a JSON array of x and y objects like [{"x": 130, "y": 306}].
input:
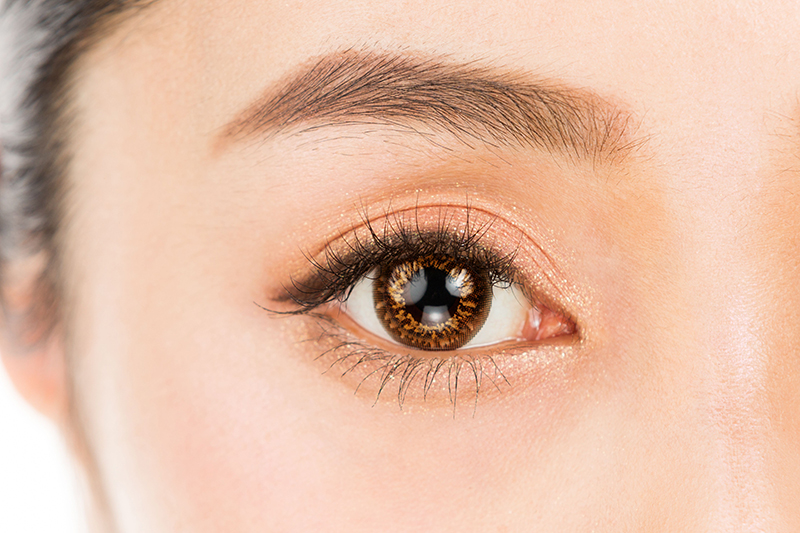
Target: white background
[{"x": 38, "y": 484}]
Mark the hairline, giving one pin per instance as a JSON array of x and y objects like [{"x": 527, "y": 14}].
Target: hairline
[
  {"x": 51, "y": 38},
  {"x": 46, "y": 39}
]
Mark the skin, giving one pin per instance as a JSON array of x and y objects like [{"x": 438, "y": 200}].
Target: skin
[{"x": 674, "y": 409}]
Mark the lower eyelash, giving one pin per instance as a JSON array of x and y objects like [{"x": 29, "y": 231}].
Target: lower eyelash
[{"x": 404, "y": 371}]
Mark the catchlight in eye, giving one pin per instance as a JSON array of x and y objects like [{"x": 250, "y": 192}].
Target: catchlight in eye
[{"x": 438, "y": 303}]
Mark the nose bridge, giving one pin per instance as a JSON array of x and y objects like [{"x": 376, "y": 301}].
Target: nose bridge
[
  {"x": 726, "y": 167},
  {"x": 738, "y": 407}
]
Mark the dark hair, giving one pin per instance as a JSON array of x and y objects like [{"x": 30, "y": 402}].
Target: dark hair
[{"x": 39, "y": 43}]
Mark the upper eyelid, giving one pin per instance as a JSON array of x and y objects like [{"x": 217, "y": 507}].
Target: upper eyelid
[
  {"x": 356, "y": 256},
  {"x": 393, "y": 217},
  {"x": 537, "y": 261}
]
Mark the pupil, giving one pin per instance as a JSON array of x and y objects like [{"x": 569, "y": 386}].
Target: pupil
[
  {"x": 434, "y": 302},
  {"x": 432, "y": 296}
]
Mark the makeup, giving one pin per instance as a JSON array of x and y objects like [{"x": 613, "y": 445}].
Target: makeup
[{"x": 399, "y": 299}]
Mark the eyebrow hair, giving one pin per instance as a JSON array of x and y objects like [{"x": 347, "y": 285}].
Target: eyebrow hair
[{"x": 467, "y": 100}]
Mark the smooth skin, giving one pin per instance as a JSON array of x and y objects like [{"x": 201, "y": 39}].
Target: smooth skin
[{"x": 677, "y": 408}]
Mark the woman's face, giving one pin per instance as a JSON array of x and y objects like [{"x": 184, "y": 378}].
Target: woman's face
[{"x": 624, "y": 176}]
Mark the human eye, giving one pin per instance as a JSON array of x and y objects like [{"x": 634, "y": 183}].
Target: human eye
[
  {"x": 447, "y": 302},
  {"x": 427, "y": 301}
]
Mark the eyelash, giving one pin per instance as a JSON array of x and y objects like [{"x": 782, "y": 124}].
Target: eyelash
[
  {"x": 407, "y": 368},
  {"x": 347, "y": 261},
  {"x": 334, "y": 275}
]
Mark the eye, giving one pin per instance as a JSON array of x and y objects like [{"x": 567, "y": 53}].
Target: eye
[
  {"x": 433, "y": 302},
  {"x": 436, "y": 302}
]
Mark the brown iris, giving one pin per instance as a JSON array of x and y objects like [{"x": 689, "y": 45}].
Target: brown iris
[{"x": 432, "y": 303}]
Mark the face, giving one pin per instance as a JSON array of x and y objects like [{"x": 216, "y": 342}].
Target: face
[{"x": 288, "y": 222}]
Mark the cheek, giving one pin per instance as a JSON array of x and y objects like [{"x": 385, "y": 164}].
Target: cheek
[
  {"x": 209, "y": 414},
  {"x": 195, "y": 420},
  {"x": 197, "y": 409},
  {"x": 217, "y": 422}
]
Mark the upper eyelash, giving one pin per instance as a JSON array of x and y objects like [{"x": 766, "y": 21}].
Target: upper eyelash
[{"x": 343, "y": 264}]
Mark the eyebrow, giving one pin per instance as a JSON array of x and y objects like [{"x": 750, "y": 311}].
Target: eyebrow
[{"x": 468, "y": 100}]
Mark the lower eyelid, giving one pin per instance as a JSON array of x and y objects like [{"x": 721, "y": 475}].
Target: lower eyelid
[
  {"x": 439, "y": 380},
  {"x": 435, "y": 379}
]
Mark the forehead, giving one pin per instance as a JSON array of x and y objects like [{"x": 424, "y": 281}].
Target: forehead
[
  {"x": 712, "y": 87},
  {"x": 691, "y": 72}
]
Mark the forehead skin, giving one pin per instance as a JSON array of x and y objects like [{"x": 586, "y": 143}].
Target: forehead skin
[{"x": 678, "y": 413}]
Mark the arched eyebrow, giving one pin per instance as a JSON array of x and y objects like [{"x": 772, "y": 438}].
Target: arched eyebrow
[{"x": 467, "y": 100}]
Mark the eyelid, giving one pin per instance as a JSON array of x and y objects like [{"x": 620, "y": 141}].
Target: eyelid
[
  {"x": 375, "y": 364},
  {"x": 417, "y": 231},
  {"x": 441, "y": 380}
]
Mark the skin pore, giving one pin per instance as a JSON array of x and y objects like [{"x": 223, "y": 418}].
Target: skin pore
[{"x": 672, "y": 247}]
